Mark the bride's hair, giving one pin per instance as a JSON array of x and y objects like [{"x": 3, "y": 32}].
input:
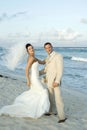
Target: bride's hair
[{"x": 27, "y": 45}]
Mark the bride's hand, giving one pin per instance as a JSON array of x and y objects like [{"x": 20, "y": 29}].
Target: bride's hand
[{"x": 28, "y": 83}]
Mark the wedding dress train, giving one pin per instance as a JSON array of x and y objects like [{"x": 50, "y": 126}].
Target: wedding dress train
[{"x": 32, "y": 103}]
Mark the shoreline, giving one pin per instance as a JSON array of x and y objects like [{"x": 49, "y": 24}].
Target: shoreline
[{"x": 75, "y": 109}]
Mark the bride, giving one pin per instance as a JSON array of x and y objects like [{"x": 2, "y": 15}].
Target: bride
[{"x": 34, "y": 102}]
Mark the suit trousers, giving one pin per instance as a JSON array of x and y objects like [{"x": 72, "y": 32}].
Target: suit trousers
[{"x": 56, "y": 99}]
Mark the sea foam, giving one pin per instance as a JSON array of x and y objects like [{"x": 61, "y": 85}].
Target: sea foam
[{"x": 79, "y": 59}]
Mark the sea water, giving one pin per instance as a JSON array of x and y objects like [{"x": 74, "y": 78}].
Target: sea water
[{"x": 13, "y": 61}]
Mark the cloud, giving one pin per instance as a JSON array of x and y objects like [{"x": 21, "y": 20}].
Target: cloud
[
  {"x": 5, "y": 16},
  {"x": 84, "y": 21},
  {"x": 68, "y": 34},
  {"x": 57, "y": 35},
  {"x": 18, "y": 14},
  {"x": 64, "y": 37},
  {"x": 60, "y": 35}
]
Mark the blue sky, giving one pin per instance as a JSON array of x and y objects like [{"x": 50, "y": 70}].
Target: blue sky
[{"x": 62, "y": 22}]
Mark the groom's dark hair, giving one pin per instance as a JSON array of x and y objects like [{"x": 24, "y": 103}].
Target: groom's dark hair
[{"x": 47, "y": 43}]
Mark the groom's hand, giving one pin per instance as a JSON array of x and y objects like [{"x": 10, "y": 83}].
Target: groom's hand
[{"x": 55, "y": 84}]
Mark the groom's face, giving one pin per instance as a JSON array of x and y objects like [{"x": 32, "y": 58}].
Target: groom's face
[{"x": 48, "y": 48}]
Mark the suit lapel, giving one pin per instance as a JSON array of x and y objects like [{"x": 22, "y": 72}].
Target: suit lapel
[{"x": 50, "y": 58}]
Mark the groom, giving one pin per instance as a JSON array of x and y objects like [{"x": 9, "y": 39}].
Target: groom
[{"x": 54, "y": 71}]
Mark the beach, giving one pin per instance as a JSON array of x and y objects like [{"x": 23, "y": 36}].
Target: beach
[
  {"x": 75, "y": 109},
  {"x": 64, "y": 25}
]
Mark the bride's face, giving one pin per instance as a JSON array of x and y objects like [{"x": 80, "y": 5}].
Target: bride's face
[{"x": 30, "y": 50}]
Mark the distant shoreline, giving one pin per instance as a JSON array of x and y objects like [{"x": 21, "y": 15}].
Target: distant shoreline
[{"x": 54, "y": 46}]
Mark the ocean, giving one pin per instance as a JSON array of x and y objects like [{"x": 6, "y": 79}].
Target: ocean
[{"x": 13, "y": 62}]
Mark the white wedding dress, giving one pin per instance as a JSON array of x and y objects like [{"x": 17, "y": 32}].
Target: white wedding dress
[{"x": 32, "y": 103}]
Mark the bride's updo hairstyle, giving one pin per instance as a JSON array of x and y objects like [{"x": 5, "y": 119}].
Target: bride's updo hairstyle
[{"x": 27, "y": 45}]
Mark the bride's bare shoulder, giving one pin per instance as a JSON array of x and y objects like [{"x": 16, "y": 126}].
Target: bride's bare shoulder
[{"x": 30, "y": 60}]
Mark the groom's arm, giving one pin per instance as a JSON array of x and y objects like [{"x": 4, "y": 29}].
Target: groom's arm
[
  {"x": 59, "y": 70},
  {"x": 41, "y": 72}
]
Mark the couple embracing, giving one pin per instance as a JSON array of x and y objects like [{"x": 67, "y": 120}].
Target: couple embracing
[{"x": 39, "y": 99}]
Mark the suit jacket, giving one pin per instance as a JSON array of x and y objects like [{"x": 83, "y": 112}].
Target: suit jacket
[{"x": 54, "y": 68}]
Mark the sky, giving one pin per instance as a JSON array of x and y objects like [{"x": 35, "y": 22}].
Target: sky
[{"x": 61, "y": 22}]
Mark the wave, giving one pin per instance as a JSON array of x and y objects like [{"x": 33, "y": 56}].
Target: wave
[
  {"x": 71, "y": 49},
  {"x": 67, "y": 57},
  {"x": 79, "y": 59}
]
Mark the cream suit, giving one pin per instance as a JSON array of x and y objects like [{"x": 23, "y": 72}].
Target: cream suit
[{"x": 54, "y": 71}]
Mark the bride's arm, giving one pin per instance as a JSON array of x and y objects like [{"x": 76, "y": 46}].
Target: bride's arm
[
  {"x": 28, "y": 66},
  {"x": 40, "y": 61}
]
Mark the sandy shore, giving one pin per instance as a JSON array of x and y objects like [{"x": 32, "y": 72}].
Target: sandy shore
[{"x": 75, "y": 109}]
